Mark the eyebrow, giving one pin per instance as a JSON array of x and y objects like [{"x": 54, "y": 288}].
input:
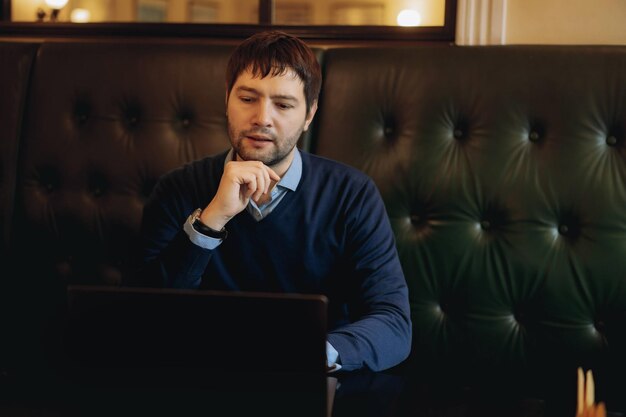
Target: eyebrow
[{"x": 276, "y": 96}]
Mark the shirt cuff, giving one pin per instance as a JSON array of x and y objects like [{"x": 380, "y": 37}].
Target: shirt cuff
[
  {"x": 332, "y": 358},
  {"x": 198, "y": 238}
]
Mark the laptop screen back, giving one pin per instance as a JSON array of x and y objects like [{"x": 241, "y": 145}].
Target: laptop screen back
[
  {"x": 188, "y": 352},
  {"x": 213, "y": 330}
]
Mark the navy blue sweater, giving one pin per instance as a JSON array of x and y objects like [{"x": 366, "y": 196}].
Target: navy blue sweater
[{"x": 331, "y": 236}]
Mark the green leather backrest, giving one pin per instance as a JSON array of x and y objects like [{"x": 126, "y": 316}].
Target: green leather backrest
[{"x": 503, "y": 170}]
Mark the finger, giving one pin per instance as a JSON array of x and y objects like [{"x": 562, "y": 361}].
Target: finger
[
  {"x": 601, "y": 410},
  {"x": 263, "y": 182},
  {"x": 244, "y": 193},
  {"x": 272, "y": 179},
  {"x": 250, "y": 186},
  {"x": 580, "y": 406},
  {"x": 262, "y": 179},
  {"x": 272, "y": 185},
  {"x": 267, "y": 179},
  {"x": 257, "y": 196},
  {"x": 273, "y": 175},
  {"x": 590, "y": 389},
  {"x": 263, "y": 176}
]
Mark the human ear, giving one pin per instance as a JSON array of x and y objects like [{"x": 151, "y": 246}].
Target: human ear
[{"x": 309, "y": 116}]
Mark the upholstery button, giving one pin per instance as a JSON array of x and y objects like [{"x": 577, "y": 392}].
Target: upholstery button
[
  {"x": 82, "y": 109},
  {"x": 563, "y": 229},
  {"x": 49, "y": 178},
  {"x": 388, "y": 124},
  {"x": 533, "y": 136},
  {"x": 485, "y": 224},
  {"x": 600, "y": 326},
  {"x": 611, "y": 140},
  {"x": 458, "y": 133},
  {"x": 97, "y": 184},
  {"x": 444, "y": 306},
  {"x": 183, "y": 117},
  {"x": 415, "y": 219},
  {"x": 130, "y": 112}
]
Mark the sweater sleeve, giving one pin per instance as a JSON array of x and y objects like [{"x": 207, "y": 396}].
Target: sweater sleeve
[
  {"x": 168, "y": 258},
  {"x": 380, "y": 337}
]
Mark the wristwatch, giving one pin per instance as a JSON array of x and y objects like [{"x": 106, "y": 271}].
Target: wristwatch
[{"x": 202, "y": 228}]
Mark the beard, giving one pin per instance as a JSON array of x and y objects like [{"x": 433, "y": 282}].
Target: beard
[{"x": 273, "y": 155}]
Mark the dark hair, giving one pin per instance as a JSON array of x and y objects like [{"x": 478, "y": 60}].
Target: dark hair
[{"x": 273, "y": 53}]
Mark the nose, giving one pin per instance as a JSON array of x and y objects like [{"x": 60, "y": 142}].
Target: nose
[{"x": 263, "y": 114}]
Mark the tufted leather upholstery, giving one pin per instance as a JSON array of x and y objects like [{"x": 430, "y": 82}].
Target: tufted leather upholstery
[
  {"x": 504, "y": 175},
  {"x": 105, "y": 122},
  {"x": 502, "y": 168},
  {"x": 15, "y": 66}
]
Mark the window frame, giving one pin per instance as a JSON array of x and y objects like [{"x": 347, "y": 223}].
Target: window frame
[{"x": 445, "y": 33}]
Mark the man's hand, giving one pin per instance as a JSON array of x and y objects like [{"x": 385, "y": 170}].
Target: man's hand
[{"x": 241, "y": 181}]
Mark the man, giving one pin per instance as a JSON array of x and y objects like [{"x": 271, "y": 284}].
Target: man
[{"x": 265, "y": 216}]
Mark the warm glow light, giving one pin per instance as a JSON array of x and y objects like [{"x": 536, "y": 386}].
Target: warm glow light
[
  {"x": 409, "y": 17},
  {"x": 80, "y": 16},
  {"x": 56, "y": 4}
]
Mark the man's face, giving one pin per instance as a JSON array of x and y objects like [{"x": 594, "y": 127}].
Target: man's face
[{"x": 266, "y": 117}]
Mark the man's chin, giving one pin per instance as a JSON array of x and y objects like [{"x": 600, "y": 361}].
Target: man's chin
[{"x": 246, "y": 155}]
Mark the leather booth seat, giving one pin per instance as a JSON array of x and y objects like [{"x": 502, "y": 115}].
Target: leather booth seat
[{"x": 503, "y": 171}]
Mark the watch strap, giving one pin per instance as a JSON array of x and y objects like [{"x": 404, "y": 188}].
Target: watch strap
[{"x": 202, "y": 228}]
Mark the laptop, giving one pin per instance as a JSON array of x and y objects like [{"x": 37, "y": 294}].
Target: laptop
[{"x": 234, "y": 352}]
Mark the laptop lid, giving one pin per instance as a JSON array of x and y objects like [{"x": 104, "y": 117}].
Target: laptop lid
[
  {"x": 217, "y": 330},
  {"x": 227, "y": 353}
]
